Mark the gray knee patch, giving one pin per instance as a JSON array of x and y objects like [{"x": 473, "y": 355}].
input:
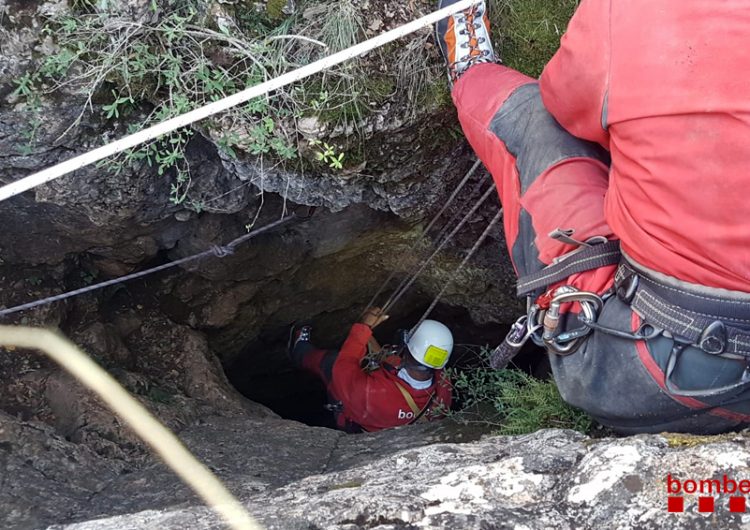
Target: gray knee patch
[{"x": 532, "y": 135}]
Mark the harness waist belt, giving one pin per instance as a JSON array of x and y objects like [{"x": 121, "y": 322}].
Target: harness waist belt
[
  {"x": 584, "y": 259},
  {"x": 718, "y": 324}
]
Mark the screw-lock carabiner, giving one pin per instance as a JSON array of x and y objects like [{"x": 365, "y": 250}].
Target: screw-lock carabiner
[{"x": 567, "y": 342}]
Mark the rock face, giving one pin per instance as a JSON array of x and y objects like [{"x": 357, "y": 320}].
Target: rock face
[
  {"x": 170, "y": 338},
  {"x": 419, "y": 477},
  {"x": 99, "y": 224}
]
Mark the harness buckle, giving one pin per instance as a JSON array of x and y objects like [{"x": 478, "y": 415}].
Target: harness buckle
[
  {"x": 713, "y": 340},
  {"x": 626, "y": 288}
]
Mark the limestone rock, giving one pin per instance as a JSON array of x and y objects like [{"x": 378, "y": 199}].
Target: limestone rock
[
  {"x": 549, "y": 479},
  {"x": 44, "y": 477}
]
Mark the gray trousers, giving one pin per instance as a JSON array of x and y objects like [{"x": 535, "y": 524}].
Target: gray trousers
[{"x": 620, "y": 382}]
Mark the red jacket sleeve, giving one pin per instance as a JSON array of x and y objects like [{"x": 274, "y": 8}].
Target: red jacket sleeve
[
  {"x": 575, "y": 81},
  {"x": 347, "y": 373}
]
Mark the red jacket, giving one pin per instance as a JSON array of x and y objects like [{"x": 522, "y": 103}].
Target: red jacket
[
  {"x": 372, "y": 400},
  {"x": 665, "y": 87}
]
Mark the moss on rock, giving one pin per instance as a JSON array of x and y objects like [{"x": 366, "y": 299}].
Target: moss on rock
[
  {"x": 275, "y": 9},
  {"x": 692, "y": 440},
  {"x": 527, "y": 32}
]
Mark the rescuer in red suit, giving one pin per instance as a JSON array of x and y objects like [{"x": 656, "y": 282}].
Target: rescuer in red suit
[
  {"x": 624, "y": 173},
  {"x": 371, "y": 393}
]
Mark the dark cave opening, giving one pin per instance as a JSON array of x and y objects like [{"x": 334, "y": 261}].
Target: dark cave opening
[{"x": 297, "y": 395}]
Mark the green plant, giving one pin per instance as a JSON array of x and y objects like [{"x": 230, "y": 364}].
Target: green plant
[
  {"x": 25, "y": 88},
  {"x": 418, "y": 79},
  {"x": 171, "y": 67},
  {"x": 327, "y": 154},
  {"x": 227, "y": 142},
  {"x": 136, "y": 74},
  {"x": 113, "y": 109},
  {"x": 515, "y": 402},
  {"x": 338, "y": 95},
  {"x": 528, "y": 404}
]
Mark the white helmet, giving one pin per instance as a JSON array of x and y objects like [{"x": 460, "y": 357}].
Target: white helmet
[{"x": 431, "y": 344}]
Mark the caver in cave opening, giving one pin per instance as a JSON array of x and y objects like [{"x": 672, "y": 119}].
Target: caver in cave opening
[{"x": 297, "y": 395}]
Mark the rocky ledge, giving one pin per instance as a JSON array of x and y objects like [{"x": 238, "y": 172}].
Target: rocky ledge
[{"x": 434, "y": 476}]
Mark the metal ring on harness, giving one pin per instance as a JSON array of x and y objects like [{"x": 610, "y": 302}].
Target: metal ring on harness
[
  {"x": 567, "y": 342},
  {"x": 534, "y": 326},
  {"x": 525, "y": 329},
  {"x": 677, "y": 349}
]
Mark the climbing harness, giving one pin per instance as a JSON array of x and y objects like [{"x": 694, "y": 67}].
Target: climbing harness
[
  {"x": 542, "y": 325},
  {"x": 584, "y": 258},
  {"x": 712, "y": 323},
  {"x": 301, "y": 213},
  {"x": 542, "y": 322},
  {"x": 374, "y": 360}
]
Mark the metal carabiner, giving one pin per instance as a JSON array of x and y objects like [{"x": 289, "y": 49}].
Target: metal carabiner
[
  {"x": 534, "y": 324},
  {"x": 580, "y": 296},
  {"x": 519, "y": 334},
  {"x": 552, "y": 316},
  {"x": 567, "y": 342}
]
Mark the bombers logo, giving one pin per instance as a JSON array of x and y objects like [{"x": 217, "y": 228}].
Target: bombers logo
[
  {"x": 405, "y": 415},
  {"x": 707, "y": 491}
]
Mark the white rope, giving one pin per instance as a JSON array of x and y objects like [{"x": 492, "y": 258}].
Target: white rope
[
  {"x": 152, "y": 431},
  {"x": 221, "y": 105}
]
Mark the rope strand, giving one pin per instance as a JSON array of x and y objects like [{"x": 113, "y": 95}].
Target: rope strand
[
  {"x": 218, "y": 251},
  {"x": 429, "y": 226},
  {"x": 396, "y": 296},
  {"x": 473, "y": 250}
]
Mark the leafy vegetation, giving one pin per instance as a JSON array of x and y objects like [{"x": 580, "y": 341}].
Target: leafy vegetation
[
  {"x": 512, "y": 400},
  {"x": 134, "y": 75},
  {"x": 171, "y": 67},
  {"x": 327, "y": 154},
  {"x": 528, "y": 404}
]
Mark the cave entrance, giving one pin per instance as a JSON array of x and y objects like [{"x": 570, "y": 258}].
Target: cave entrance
[{"x": 298, "y": 395}]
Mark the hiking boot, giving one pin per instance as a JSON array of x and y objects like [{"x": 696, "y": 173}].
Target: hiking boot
[
  {"x": 296, "y": 335},
  {"x": 464, "y": 39}
]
